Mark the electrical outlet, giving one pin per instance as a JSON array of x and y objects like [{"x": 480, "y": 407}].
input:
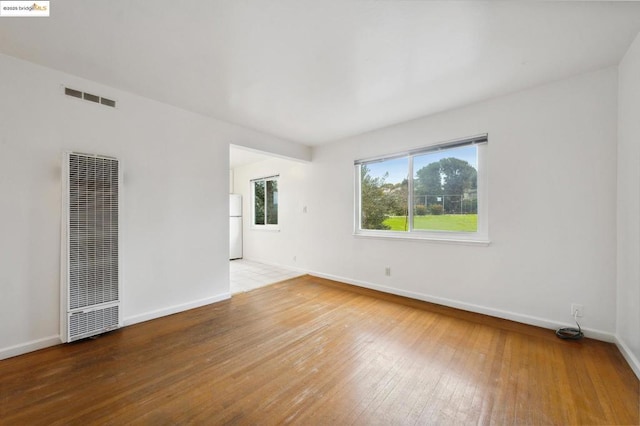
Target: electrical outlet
[
  {"x": 577, "y": 307},
  {"x": 295, "y": 258},
  {"x": 387, "y": 271}
]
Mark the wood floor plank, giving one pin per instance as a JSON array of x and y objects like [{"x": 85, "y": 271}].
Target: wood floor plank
[{"x": 313, "y": 351}]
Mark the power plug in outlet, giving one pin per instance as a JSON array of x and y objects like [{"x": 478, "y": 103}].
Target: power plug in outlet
[{"x": 577, "y": 307}]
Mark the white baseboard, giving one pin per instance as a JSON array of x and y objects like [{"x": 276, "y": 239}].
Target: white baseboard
[
  {"x": 35, "y": 345},
  {"x": 175, "y": 309},
  {"x": 31, "y": 346},
  {"x": 498, "y": 313},
  {"x": 633, "y": 361},
  {"x": 513, "y": 316}
]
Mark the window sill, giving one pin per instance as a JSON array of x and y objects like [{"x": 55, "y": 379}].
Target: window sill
[
  {"x": 265, "y": 228},
  {"x": 449, "y": 239}
]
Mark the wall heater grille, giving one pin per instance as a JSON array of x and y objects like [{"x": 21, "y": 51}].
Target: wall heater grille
[
  {"x": 91, "y": 274},
  {"x": 85, "y": 323}
]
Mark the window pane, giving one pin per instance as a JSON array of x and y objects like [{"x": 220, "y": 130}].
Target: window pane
[
  {"x": 258, "y": 202},
  {"x": 445, "y": 190},
  {"x": 384, "y": 195},
  {"x": 272, "y": 202}
]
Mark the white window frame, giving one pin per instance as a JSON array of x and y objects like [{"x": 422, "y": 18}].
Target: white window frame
[
  {"x": 480, "y": 237},
  {"x": 266, "y": 226}
]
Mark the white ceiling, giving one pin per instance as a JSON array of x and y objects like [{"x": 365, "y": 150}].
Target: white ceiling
[{"x": 317, "y": 71}]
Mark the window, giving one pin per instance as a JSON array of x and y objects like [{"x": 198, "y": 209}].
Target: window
[
  {"x": 436, "y": 192},
  {"x": 265, "y": 202}
]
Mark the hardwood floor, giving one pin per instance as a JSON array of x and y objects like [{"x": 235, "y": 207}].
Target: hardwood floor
[{"x": 312, "y": 351}]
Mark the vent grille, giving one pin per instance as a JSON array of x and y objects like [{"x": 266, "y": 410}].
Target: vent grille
[
  {"x": 72, "y": 92},
  {"x": 89, "y": 97},
  {"x": 93, "y": 231},
  {"x": 89, "y": 323},
  {"x": 108, "y": 102}
]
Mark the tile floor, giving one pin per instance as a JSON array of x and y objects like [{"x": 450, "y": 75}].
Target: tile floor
[{"x": 247, "y": 275}]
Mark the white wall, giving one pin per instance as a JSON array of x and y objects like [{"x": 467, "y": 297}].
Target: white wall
[
  {"x": 270, "y": 144},
  {"x": 628, "y": 324},
  {"x": 552, "y": 209},
  {"x": 291, "y": 236},
  {"x": 175, "y": 202},
  {"x": 552, "y": 180}
]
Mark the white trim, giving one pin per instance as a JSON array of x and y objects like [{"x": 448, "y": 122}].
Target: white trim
[
  {"x": 498, "y": 313},
  {"x": 65, "y": 308},
  {"x": 482, "y": 138},
  {"x": 266, "y": 226},
  {"x": 46, "y": 342},
  {"x": 448, "y": 239},
  {"x": 480, "y": 237},
  {"x": 31, "y": 346},
  {"x": 628, "y": 355},
  {"x": 158, "y": 313},
  {"x": 64, "y": 247}
]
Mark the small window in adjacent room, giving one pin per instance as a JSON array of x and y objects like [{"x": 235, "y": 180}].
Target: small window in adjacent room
[
  {"x": 436, "y": 192},
  {"x": 265, "y": 202}
]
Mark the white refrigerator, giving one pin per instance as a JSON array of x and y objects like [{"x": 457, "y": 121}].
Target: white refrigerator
[{"x": 235, "y": 226}]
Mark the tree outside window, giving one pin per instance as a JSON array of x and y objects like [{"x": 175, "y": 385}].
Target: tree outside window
[
  {"x": 435, "y": 189},
  {"x": 265, "y": 201}
]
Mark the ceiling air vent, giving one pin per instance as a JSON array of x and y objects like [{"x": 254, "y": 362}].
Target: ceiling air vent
[
  {"x": 72, "y": 92},
  {"x": 89, "y": 97},
  {"x": 108, "y": 102},
  {"x": 92, "y": 98}
]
